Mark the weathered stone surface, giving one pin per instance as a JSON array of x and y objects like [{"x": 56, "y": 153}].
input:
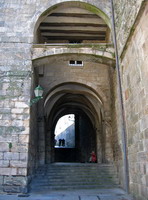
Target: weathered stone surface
[
  {"x": 14, "y": 189},
  {"x": 1, "y": 180},
  {"x": 19, "y": 147},
  {"x": 22, "y": 171},
  {"x": 24, "y": 156},
  {"x": 8, "y": 171},
  {"x": 4, "y": 163},
  {"x": 15, "y": 180},
  {"x": 126, "y": 13},
  {"x": 4, "y": 146},
  {"x": 134, "y": 72},
  {"x": 11, "y": 156},
  {"x": 18, "y": 122},
  {"x": 18, "y": 163},
  {"x": 1, "y": 155},
  {"x": 24, "y": 138}
]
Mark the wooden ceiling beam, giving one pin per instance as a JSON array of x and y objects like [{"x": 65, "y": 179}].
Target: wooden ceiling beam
[
  {"x": 80, "y": 15},
  {"x": 74, "y": 31},
  {"x": 72, "y": 24},
  {"x": 88, "y": 28},
  {"x": 100, "y": 38}
]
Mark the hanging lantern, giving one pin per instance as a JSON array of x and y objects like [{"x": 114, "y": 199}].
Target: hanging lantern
[{"x": 38, "y": 91}]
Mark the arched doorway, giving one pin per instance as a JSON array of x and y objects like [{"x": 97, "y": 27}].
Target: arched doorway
[
  {"x": 77, "y": 139},
  {"x": 74, "y": 81},
  {"x": 86, "y": 106}
]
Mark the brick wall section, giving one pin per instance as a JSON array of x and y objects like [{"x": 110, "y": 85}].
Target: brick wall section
[{"x": 135, "y": 90}]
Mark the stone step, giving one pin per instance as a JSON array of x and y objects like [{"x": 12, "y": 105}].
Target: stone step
[
  {"x": 74, "y": 176},
  {"x": 50, "y": 178},
  {"x": 74, "y": 183},
  {"x": 69, "y": 187}
]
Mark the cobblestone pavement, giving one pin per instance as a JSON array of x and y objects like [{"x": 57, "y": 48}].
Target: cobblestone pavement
[{"x": 96, "y": 194}]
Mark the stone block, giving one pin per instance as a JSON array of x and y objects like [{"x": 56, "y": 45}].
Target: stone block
[
  {"x": 19, "y": 163},
  {"x": 146, "y": 145},
  {"x": 24, "y": 138},
  {"x": 8, "y": 171},
  {"x": 5, "y": 110},
  {"x": 1, "y": 155},
  {"x": 7, "y": 138},
  {"x": 4, "y": 146},
  {"x": 22, "y": 171},
  {"x": 15, "y": 180},
  {"x": 14, "y": 189},
  {"x": 4, "y": 163},
  {"x": 21, "y": 105},
  {"x": 17, "y": 111},
  {"x": 5, "y": 122},
  {"x": 26, "y": 123},
  {"x": 1, "y": 180},
  {"x": 24, "y": 156},
  {"x": 11, "y": 156},
  {"x": 21, "y": 148}
]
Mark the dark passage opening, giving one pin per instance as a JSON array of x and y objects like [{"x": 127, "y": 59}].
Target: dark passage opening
[{"x": 74, "y": 138}]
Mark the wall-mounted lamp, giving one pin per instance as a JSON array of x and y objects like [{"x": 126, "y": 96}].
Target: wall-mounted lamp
[{"x": 38, "y": 91}]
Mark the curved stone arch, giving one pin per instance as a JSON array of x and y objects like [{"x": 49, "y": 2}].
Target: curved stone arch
[
  {"x": 90, "y": 107},
  {"x": 91, "y": 86},
  {"x": 101, "y": 9},
  {"x": 57, "y": 97},
  {"x": 104, "y": 55},
  {"x": 84, "y": 110}
]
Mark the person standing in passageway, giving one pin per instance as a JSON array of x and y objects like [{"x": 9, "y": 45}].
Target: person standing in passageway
[
  {"x": 63, "y": 143},
  {"x": 93, "y": 157},
  {"x": 60, "y": 142}
]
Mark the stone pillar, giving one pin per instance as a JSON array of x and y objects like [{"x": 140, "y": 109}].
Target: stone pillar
[
  {"x": 49, "y": 149},
  {"x": 108, "y": 143},
  {"x": 99, "y": 149}
]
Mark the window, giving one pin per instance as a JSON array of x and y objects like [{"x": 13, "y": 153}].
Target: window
[{"x": 75, "y": 63}]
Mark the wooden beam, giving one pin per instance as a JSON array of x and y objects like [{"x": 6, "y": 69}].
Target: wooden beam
[
  {"x": 53, "y": 19},
  {"x": 72, "y": 24},
  {"x": 88, "y": 28},
  {"x": 101, "y": 38},
  {"x": 74, "y": 31},
  {"x": 80, "y": 15}
]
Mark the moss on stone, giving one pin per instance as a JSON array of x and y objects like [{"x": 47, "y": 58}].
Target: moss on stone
[{"x": 46, "y": 12}]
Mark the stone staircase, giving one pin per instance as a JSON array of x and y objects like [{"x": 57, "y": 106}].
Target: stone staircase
[{"x": 61, "y": 176}]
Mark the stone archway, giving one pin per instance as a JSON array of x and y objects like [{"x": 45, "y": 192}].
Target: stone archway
[
  {"x": 86, "y": 105},
  {"x": 83, "y": 90},
  {"x": 102, "y": 9}
]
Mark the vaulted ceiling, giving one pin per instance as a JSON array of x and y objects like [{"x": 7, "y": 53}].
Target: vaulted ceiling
[{"x": 74, "y": 25}]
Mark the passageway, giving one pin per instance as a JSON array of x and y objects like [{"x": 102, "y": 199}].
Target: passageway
[
  {"x": 76, "y": 81},
  {"x": 72, "y": 98}
]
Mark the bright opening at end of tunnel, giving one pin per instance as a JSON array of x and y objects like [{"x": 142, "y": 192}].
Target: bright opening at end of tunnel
[{"x": 65, "y": 132}]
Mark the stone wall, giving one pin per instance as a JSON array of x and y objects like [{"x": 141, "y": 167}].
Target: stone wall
[
  {"x": 95, "y": 75},
  {"x": 14, "y": 115},
  {"x": 134, "y": 73},
  {"x": 17, "y": 24},
  {"x": 125, "y": 15}
]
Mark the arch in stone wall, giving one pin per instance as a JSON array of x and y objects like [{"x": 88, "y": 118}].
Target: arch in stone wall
[
  {"x": 69, "y": 98},
  {"x": 101, "y": 9},
  {"x": 103, "y": 54}
]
